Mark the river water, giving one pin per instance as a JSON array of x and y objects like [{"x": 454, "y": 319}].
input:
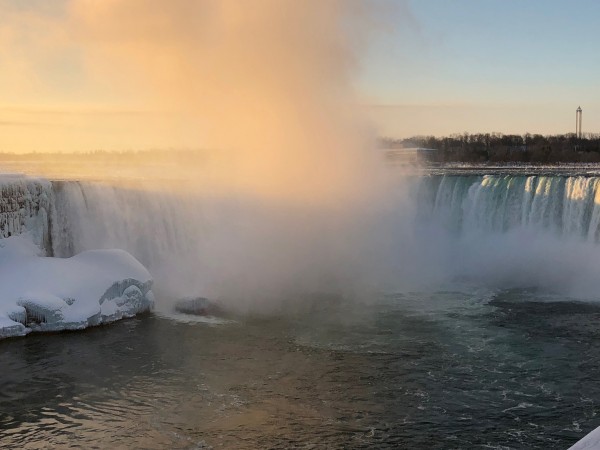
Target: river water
[
  {"x": 467, "y": 354},
  {"x": 464, "y": 367}
]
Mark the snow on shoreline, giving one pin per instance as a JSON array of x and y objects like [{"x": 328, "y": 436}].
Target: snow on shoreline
[
  {"x": 590, "y": 441},
  {"x": 51, "y": 294}
]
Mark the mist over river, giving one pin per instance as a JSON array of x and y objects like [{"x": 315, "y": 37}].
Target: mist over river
[{"x": 483, "y": 332}]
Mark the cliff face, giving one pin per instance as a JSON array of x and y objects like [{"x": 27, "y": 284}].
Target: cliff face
[{"x": 27, "y": 205}]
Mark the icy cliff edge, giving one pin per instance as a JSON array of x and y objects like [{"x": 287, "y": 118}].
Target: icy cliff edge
[{"x": 52, "y": 294}]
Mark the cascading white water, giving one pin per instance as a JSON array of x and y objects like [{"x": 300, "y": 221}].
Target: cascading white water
[
  {"x": 512, "y": 230},
  {"x": 507, "y": 231},
  {"x": 160, "y": 227},
  {"x": 565, "y": 206},
  {"x": 246, "y": 250}
]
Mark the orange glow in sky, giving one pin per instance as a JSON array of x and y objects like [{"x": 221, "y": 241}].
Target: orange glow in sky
[{"x": 81, "y": 75}]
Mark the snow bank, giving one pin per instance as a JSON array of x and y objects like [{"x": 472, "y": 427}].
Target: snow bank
[
  {"x": 50, "y": 294},
  {"x": 589, "y": 442}
]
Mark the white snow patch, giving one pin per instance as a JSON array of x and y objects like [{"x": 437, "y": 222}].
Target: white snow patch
[
  {"x": 589, "y": 442},
  {"x": 51, "y": 294}
]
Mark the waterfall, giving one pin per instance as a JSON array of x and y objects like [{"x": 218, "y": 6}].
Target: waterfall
[
  {"x": 510, "y": 231},
  {"x": 161, "y": 227},
  {"x": 500, "y": 229},
  {"x": 567, "y": 206}
]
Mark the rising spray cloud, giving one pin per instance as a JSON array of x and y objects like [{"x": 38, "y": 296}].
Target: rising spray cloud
[{"x": 269, "y": 86}]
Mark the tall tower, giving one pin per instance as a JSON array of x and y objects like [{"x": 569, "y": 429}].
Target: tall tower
[{"x": 578, "y": 114}]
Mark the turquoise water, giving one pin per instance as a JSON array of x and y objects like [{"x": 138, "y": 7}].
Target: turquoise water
[{"x": 461, "y": 368}]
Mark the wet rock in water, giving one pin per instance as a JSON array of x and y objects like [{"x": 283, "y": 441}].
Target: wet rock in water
[{"x": 198, "y": 306}]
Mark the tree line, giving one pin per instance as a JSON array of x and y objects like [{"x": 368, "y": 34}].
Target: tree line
[{"x": 503, "y": 148}]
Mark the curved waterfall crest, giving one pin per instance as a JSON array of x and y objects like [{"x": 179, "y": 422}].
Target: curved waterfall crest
[
  {"x": 563, "y": 205},
  {"x": 191, "y": 243}
]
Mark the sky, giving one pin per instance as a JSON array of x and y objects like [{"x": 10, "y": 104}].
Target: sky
[
  {"x": 422, "y": 67},
  {"x": 487, "y": 65}
]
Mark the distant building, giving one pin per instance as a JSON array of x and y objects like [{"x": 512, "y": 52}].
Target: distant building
[{"x": 578, "y": 117}]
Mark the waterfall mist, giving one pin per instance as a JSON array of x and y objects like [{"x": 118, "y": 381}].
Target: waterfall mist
[
  {"x": 244, "y": 252},
  {"x": 267, "y": 87},
  {"x": 514, "y": 231},
  {"x": 289, "y": 197}
]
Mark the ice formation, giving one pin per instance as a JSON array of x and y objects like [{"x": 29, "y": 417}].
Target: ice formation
[
  {"x": 41, "y": 293},
  {"x": 50, "y": 294},
  {"x": 25, "y": 206}
]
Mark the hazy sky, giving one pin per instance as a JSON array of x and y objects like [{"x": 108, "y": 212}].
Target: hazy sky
[
  {"x": 488, "y": 65},
  {"x": 430, "y": 67}
]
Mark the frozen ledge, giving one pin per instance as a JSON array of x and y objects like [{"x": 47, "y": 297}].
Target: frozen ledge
[{"x": 53, "y": 294}]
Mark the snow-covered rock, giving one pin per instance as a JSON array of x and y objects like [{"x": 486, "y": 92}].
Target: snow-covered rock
[{"x": 51, "y": 294}]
